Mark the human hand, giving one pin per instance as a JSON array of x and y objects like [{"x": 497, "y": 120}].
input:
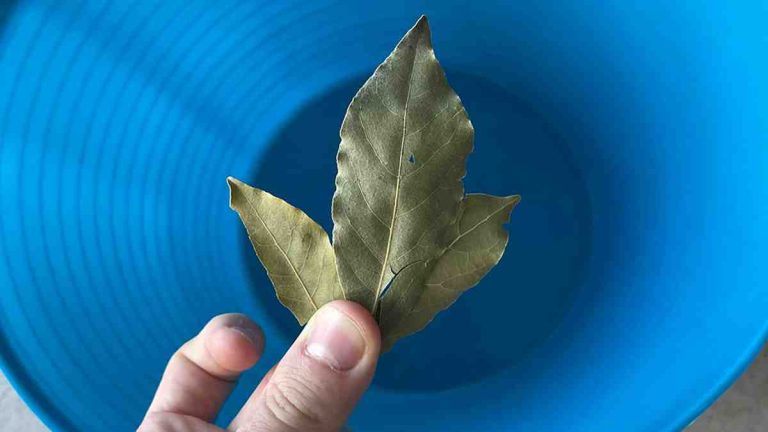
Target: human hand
[{"x": 312, "y": 389}]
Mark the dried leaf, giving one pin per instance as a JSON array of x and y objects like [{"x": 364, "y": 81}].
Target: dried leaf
[
  {"x": 406, "y": 241},
  {"x": 293, "y": 248},
  {"x": 404, "y": 143},
  {"x": 478, "y": 242}
]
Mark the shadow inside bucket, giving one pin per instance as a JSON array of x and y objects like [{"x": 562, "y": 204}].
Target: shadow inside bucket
[
  {"x": 521, "y": 301},
  {"x": 6, "y": 10}
]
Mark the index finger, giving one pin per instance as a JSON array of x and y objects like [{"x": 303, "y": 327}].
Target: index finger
[{"x": 202, "y": 373}]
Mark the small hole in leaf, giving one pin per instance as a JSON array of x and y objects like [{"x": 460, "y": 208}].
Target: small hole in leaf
[{"x": 412, "y": 158}]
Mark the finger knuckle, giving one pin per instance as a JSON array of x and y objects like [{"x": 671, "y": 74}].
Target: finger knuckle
[{"x": 294, "y": 403}]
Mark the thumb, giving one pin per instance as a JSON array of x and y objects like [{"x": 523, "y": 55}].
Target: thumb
[{"x": 320, "y": 379}]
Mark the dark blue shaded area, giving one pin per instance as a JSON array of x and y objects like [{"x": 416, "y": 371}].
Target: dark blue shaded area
[{"x": 523, "y": 299}]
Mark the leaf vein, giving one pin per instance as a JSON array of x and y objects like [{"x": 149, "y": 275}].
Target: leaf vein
[
  {"x": 437, "y": 114},
  {"x": 474, "y": 227},
  {"x": 274, "y": 240},
  {"x": 373, "y": 149},
  {"x": 362, "y": 239},
  {"x": 382, "y": 272},
  {"x": 437, "y": 150},
  {"x": 360, "y": 187},
  {"x": 420, "y": 203}
]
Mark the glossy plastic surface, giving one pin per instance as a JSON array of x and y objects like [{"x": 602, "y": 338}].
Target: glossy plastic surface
[{"x": 635, "y": 285}]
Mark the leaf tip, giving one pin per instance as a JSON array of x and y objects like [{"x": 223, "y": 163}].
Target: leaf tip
[
  {"x": 234, "y": 185},
  {"x": 512, "y": 202},
  {"x": 422, "y": 26}
]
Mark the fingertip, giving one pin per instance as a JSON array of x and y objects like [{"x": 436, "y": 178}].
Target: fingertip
[
  {"x": 201, "y": 373},
  {"x": 322, "y": 376},
  {"x": 234, "y": 342},
  {"x": 234, "y": 348},
  {"x": 363, "y": 319}
]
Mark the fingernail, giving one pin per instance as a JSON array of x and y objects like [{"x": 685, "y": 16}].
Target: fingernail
[
  {"x": 335, "y": 340},
  {"x": 247, "y": 333},
  {"x": 247, "y": 328}
]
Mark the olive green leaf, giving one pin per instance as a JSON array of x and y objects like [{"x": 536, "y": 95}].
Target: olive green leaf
[
  {"x": 478, "y": 240},
  {"x": 407, "y": 242},
  {"x": 293, "y": 248},
  {"x": 404, "y": 143}
]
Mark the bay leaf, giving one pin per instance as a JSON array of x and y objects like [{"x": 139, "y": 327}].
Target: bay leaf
[
  {"x": 407, "y": 242},
  {"x": 294, "y": 249},
  {"x": 404, "y": 143},
  {"x": 478, "y": 240}
]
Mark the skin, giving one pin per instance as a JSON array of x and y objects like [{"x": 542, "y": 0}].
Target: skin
[{"x": 313, "y": 388}]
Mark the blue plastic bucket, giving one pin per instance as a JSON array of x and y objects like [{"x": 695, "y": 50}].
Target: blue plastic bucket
[{"x": 634, "y": 288}]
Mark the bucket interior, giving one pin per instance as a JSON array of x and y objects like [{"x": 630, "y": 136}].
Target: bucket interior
[{"x": 633, "y": 288}]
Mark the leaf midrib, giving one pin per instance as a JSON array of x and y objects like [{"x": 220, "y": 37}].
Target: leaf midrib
[
  {"x": 475, "y": 226},
  {"x": 385, "y": 262}
]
